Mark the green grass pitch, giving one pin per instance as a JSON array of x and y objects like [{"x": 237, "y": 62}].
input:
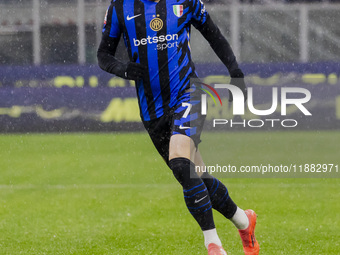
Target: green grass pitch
[{"x": 112, "y": 194}]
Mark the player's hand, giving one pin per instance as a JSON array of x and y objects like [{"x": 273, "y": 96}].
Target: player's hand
[
  {"x": 133, "y": 70},
  {"x": 237, "y": 79}
]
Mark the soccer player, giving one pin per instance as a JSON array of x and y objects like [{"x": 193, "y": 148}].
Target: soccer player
[{"x": 156, "y": 34}]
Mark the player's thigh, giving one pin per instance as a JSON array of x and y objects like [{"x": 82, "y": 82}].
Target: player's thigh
[
  {"x": 187, "y": 124},
  {"x": 198, "y": 161},
  {"x": 181, "y": 146}
]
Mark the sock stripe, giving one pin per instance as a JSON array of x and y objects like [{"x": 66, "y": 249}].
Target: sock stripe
[
  {"x": 214, "y": 180},
  {"x": 196, "y": 193},
  {"x": 222, "y": 200},
  {"x": 208, "y": 208},
  {"x": 218, "y": 184},
  {"x": 195, "y": 208},
  {"x": 187, "y": 190}
]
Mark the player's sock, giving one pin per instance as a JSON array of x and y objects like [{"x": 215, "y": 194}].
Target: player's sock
[
  {"x": 219, "y": 196},
  {"x": 196, "y": 195},
  {"x": 222, "y": 202},
  {"x": 210, "y": 236},
  {"x": 240, "y": 219}
]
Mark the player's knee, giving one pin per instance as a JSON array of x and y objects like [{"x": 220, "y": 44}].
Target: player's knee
[
  {"x": 184, "y": 171},
  {"x": 178, "y": 154}
]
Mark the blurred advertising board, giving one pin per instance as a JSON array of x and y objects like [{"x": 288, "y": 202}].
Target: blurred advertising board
[{"x": 85, "y": 98}]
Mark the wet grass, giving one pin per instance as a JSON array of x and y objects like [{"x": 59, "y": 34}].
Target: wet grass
[{"x": 112, "y": 194}]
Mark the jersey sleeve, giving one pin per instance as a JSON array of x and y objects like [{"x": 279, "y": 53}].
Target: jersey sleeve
[
  {"x": 199, "y": 13},
  {"x": 111, "y": 25}
]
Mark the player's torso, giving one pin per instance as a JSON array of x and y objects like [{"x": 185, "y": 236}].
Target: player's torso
[
  {"x": 155, "y": 26},
  {"x": 159, "y": 33}
]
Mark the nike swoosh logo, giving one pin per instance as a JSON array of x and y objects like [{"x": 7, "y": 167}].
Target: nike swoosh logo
[
  {"x": 181, "y": 127},
  {"x": 197, "y": 201},
  {"x": 130, "y": 18}
]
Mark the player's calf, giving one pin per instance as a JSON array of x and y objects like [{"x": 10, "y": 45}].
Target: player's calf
[
  {"x": 197, "y": 199},
  {"x": 222, "y": 202},
  {"x": 196, "y": 195}
]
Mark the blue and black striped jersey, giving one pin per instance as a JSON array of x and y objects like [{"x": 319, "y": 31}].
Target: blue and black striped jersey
[{"x": 159, "y": 32}]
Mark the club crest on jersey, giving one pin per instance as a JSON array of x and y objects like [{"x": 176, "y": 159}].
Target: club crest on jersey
[
  {"x": 156, "y": 24},
  {"x": 178, "y": 10}
]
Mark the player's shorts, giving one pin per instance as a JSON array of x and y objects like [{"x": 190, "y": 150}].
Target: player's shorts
[{"x": 178, "y": 120}]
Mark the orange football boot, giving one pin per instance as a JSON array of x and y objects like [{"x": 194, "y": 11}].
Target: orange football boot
[
  {"x": 250, "y": 245},
  {"x": 214, "y": 249}
]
